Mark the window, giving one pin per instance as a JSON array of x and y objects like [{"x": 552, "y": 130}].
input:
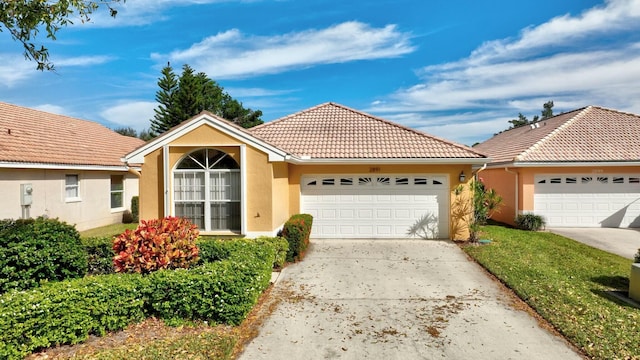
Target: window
[
  {"x": 618, "y": 180},
  {"x": 117, "y": 191},
  {"x": 328, "y": 181},
  {"x": 555, "y": 181},
  {"x": 402, "y": 181},
  {"x": 346, "y": 181},
  {"x": 420, "y": 181},
  {"x": 71, "y": 187},
  {"x": 206, "y": 190},
  {"x": 570, "y": 180}
]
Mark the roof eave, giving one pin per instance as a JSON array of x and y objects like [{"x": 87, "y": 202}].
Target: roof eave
[
  {"x": 137, "y": 156},
  {"x": 28, "y": 165},
  {"x": 387, "y": 161},
  {"x": 528, "y": 164}
]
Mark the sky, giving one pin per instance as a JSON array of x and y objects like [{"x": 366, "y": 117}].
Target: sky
[{"x": 457, "y": 69}]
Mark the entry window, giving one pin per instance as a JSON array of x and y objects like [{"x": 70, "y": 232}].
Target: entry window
[
  {"x": 206, "y": 190},
  {"x": 71, "y": 187},
  {"x": 117, "y": 191}
]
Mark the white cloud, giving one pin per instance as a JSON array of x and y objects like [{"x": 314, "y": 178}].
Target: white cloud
[
  {"x": 54, "y": 109},
  {"x": 83, "y": 61},
  {"x": 232, "y": 54},
  {"x": 15, "y": 69},
  {"x": 569, "y": 59},
  {"x": 135, "y": 114}
]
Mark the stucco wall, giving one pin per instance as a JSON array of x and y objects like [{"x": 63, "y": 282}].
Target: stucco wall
[
  {"x": 93, "y": 209},
  {"x": 457, "y": 222},
  {"x": 259, "y": 177},
  {"x": 504, "y": 183}
]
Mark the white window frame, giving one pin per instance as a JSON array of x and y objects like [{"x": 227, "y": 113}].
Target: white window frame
[
  {"x": 111, "y": 192},
  {"x": 208, "y": 201},
  {"x": 68, "y": 187}
]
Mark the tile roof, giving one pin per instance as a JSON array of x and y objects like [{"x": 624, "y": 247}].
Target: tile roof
[
  {"x": 333, "y": 131},
  {"x": 33, "y": 136},
  {"x": 590, "y": 134}
]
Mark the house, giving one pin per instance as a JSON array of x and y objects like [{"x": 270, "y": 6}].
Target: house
[
  {"x": 61, "y": 167},
  {"x": 358, "y": 175},
  {"x": 576, "y": 169}
]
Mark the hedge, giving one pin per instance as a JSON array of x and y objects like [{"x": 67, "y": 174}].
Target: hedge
[
  {"x": 99, "y": 255},
  {"x": 297, "y": 231},
  {"x": 212, "y": 249},
  {"x": 68, "y": 312},
  {"x": 39, "y": 250}
]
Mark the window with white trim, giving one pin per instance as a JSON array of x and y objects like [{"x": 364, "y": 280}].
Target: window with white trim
[
  {"x": 117, "y": 191},
  {"x": 71, "y": 187},
  {"x": 206, "y": 190}
]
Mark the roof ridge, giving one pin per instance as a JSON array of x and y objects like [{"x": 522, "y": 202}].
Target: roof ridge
[
  {"x": 615, "y": 111},
  {"x": 553, "y": 133}
]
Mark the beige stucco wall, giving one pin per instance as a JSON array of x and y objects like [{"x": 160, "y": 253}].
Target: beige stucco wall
[
  {"x": 504, "y": 183},
  {"x": 93, "y": 209},
  {"x": 261, "y": 178},
  {"x": 457, "y": 220}
]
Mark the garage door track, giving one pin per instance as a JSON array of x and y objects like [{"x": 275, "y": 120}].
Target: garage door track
[{"x": 396, "y": 299}]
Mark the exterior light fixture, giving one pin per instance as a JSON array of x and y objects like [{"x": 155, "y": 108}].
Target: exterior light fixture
[{"x": 462, "y": 176}]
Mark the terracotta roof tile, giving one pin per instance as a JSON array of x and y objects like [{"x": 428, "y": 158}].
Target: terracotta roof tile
[
  {"x": 589, "y": 134},
  {"x": 333, "y": 131},
  {"x": 33, "y": 136}
]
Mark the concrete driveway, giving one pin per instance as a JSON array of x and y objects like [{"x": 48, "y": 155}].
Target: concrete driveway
[
  {"x": 623, "y": 242},
  {"x": 396, "y": 299}
]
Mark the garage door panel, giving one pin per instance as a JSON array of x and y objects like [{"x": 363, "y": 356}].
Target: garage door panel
[
  {"x": 384, "y": 208},
  {"x": 588, "y": 201}
]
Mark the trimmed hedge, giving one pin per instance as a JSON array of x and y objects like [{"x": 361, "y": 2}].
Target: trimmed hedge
[
  {"x": 38, "y": 250},
  {"x": 135, "y": 208},
  {"x": 530, "y": 222},
  {"x": 212, "y": 249},
  {"x": 99, "y": 255},
  {"x": 67, "y": 312},
  {"x": 297, "y": 231}
]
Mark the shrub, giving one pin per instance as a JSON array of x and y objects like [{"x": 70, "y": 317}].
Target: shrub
[
  {"x": 68, "y": 312},
  {"x": 167, "y": 243},
  {"x": 297, "y": 231},
  {"x": 281, "y": 248},
  {"x": 99, "y": 255},
  {"x": 222, "y": 292},
  {"x": 636, "y": 259},
  {"x": 37, "y": 250},
  {"x": 212, "y": 250},
  {"x": 127, "y": 217},
  {"x": 531, "y": 222},
  {"x": 135, "y": 208}
]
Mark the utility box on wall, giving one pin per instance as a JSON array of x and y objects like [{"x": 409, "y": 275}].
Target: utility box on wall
[{"x": 26, "y": 194}]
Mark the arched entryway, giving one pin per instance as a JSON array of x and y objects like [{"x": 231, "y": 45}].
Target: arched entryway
[{"x": 206, "y": 190}]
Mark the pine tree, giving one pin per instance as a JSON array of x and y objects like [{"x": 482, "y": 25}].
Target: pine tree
[
  {"x": 184, "y": 97},
  {"x": 167, "y": 114}
]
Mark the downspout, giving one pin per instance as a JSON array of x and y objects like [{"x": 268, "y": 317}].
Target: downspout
[
  {"x": 516, "y": 189},
  {"x": 482, "y": 168}
]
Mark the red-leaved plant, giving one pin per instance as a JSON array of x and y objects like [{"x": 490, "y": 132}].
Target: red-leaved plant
[{"x": 167, "y": 243}]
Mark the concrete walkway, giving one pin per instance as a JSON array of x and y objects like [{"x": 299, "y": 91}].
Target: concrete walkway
[
  {"x": 396, "y": 299},
  {"x": 623, "y": 242}
]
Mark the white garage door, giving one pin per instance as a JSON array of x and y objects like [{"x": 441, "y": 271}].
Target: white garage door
[
  {"x": 592, "y": 200},
  {"x": 375, "y": 206}
]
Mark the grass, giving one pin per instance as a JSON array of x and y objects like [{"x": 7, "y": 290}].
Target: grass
[
  {"x": 567, "y": 283},
  {"x": 107, "y": 231}
]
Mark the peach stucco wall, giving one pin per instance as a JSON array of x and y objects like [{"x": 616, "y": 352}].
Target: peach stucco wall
[
  {"x": 260, "y": 178},
  {"x": 504, "y": 183},
  {"x": 457, "y": 226}
]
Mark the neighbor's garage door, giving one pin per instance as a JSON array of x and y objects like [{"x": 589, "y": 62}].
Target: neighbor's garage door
[
  {"x": 380, "y": 206},
  {"x": 593, "y": 200}
]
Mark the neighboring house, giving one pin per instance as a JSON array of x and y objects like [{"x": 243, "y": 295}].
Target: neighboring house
[
  {"x": 61, "y": 167},
  {"x": 577, "y": 169},
  {"x": 358, "y": 175}
]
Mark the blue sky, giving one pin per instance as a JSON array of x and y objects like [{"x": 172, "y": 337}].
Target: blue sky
[{"x": 457, "y": 69}]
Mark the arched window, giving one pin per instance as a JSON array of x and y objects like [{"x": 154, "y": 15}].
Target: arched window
[{"x": 206, "y": 190}]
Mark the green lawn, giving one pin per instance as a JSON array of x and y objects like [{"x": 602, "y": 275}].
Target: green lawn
[
  {"x": 567, "y": 282},
  {"x": 106, "y": 231}
]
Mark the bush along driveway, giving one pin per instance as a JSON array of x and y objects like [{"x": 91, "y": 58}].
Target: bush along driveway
[
  {"x": 569, "y": 284},
  {"x": 396, "y": 299}
]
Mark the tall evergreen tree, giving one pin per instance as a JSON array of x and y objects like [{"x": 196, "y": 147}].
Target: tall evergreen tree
[
  {"x": 167, "y": 113},
  {"x": 547, "y": 110},
  {"x": 191, "y": 93}
]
